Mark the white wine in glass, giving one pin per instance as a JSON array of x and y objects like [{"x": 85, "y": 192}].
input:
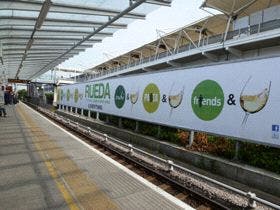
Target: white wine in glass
[
  {"x": 252, "y": 103},
  {"x": 175, "y": 99},
  {"x": 134, "y": 97}
]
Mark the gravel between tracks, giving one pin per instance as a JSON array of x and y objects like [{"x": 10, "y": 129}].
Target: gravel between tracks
[{"x": 197, "y": 184}]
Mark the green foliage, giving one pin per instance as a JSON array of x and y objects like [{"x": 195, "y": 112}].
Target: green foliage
[
  {"x": 49, "y": 97},
  {"x": 22, "y": 94},
  {"x": 114, "y": 120},
  {"x": 148, "y": 129},
  {"x": 261, "y": 156},
  {"x": 212, "y": 139},
  {"x": 251, "y": 154},
  {"x": 85, "y": 112},
  {"x": 128, "y": 123},
  {"x": 102, "y": 117},
  {"x": 169, "y": 134}
]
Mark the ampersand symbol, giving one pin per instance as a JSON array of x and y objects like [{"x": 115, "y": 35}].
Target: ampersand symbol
[
  {"x": 231, "y": 100},
  {"x": 164, "y": 98}
]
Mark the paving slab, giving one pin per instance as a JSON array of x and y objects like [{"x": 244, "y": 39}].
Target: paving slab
[{"x": 45, "y": 167}]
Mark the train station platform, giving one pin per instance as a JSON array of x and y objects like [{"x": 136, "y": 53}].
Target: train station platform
[{"x": 45, "y": 167}]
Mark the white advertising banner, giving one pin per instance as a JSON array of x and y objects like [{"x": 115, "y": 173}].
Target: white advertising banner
[{"x": 240, "y": 100}]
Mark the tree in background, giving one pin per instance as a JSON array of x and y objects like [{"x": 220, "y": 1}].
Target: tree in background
[
  {"x": 22, "y": 94},
  {"x": 49, "y": 97}
]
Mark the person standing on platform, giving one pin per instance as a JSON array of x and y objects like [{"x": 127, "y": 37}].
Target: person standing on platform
[
  {"x": 2, "y": 102},
  {"x": 15, "y": 98},
  {"x": 7, "y": 97},
  {"x": 12, "y": 96}
]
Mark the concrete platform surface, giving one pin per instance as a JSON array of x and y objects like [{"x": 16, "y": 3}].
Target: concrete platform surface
[{"x": 44, "y": 167}]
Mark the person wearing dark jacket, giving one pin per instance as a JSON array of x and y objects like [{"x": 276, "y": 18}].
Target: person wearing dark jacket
[{"x": 7, "y": 97}]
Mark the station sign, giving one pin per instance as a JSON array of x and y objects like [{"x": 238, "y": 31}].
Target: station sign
[
  {"x": 18, "y": 81},
  {"x": 239, "y": 100}
]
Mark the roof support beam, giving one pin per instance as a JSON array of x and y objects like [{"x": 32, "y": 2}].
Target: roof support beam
[
  {"x": 35, "y": 60},
  {"x": 35, "y": 51},
  {"x": 244, "y": 7},
  {"x": 17, "y": 21},
  {"x": 38, "y": 48},
  {"x": 63, "y": 33},
  {"x": 160, "y": 2},
  {"x": 42, "y": 15},
  {"x": 43, "y": 45},
  {"x": 37, "y": 55},
  {"x": 34, "y": 54},
  {"x": 110, "y": 21},
  {"x": 50, "y": 39},
  {"x": 66, "y": 9},
  {"x": 227, "y": 27},
  {"x": 189, "y": 38}
]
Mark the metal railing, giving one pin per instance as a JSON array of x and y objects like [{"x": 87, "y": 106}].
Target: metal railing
[
  {"x": 168, "y": 165},
  {"x": 236, "y": 34}
]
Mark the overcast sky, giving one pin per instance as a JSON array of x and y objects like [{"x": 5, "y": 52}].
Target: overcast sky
[{"x": 138, "y": 33}]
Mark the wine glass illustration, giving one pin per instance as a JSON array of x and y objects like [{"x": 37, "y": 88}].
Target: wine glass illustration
[
  {"x": 252, "y": 100},
  {"x": 175, "y": 98},
  {"x": 134, "y": 95}
]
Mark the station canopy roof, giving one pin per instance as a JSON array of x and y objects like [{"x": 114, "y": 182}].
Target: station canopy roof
[
  {"x": 193, "y": 34},
  {"x": 37, "y": 35},
  {"x": 190, "y": 34},
  {"x": 239, "y": 7}
]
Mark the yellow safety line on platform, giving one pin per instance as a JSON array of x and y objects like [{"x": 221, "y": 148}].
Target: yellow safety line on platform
[
  {"x": 60, "y": 185},
  {"x": 66, "y": 195},
  {"x": 78, "y": 191}
]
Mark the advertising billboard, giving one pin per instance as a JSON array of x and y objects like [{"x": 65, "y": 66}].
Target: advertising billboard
[{"x": 240, "y": 100}]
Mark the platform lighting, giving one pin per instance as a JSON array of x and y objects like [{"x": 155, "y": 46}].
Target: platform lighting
[
  {"x": 43, "y": 13},
  {"x": 24, "y": 56}
]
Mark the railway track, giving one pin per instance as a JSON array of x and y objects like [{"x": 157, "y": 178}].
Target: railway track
[
  {"x": 198, "y": 191},
  {"x": 165, "y": 184}
]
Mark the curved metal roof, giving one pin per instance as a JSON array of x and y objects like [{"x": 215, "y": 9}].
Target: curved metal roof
[
  {"x": 37, "y": 35},
  {"x": 239, "y": 7}
]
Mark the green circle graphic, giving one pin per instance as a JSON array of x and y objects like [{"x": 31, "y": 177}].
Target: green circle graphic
[
  {"x": 207, "y": 100},
  {"x": 119, "y": 96},
  {"x": 151, "y": 98},
  {"x": 76, "y": 95},
  {"x": 68, "y": 95}
]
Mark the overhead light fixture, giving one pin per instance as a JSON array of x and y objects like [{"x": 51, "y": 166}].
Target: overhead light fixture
[
  {"x": 43, "y": 13},
  {"x": 24, "y": 56},
  {"x": 40, "y": 20}
]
